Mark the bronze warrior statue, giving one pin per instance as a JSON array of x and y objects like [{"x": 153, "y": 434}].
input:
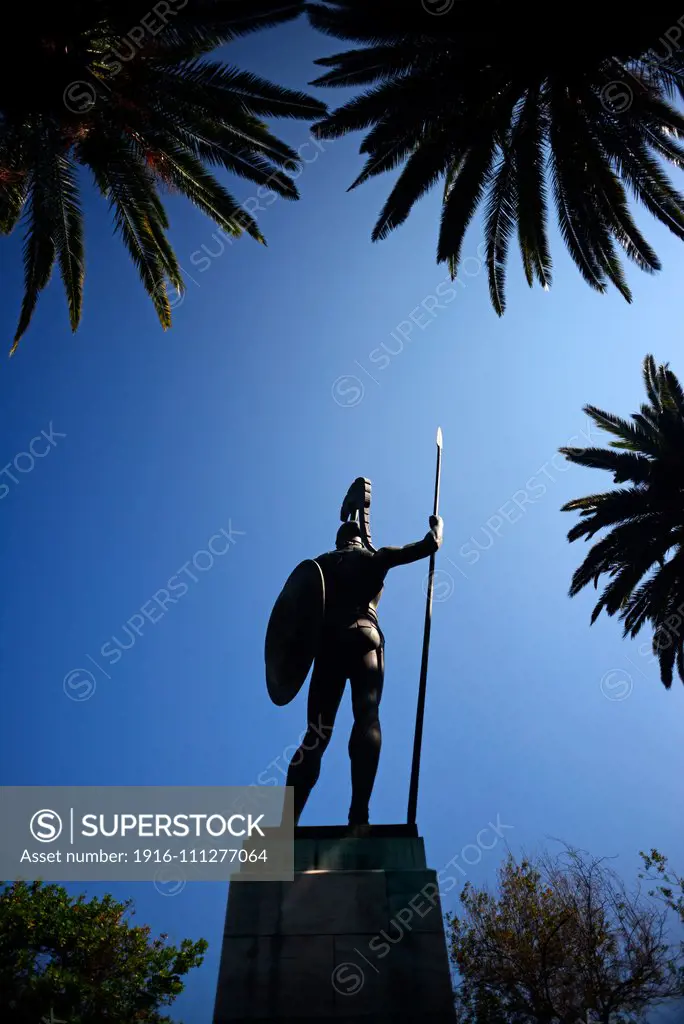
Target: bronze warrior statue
[{"x": 327, "y": 611}]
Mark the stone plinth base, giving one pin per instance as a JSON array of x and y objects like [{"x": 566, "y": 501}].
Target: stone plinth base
[{"x": 358, "y": 935}]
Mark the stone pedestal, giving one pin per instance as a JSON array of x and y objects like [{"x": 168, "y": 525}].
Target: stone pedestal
[{"x": 357, "y": 935}]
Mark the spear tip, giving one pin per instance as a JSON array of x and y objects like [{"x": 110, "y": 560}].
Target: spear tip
[{"x": 439, "y": 437}]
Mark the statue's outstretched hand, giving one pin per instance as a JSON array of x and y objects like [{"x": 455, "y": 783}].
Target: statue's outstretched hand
[{"x": 437, "y": 527}]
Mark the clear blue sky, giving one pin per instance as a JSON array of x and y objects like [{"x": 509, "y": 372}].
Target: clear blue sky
[{"x": 238, "y": 416}]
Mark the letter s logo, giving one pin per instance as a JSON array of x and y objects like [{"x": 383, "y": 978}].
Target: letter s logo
[{"x": 45, "y": 826}]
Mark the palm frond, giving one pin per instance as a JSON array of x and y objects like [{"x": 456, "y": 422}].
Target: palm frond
[
  {"x": 500, "y": 216},
  {"x": 630, "y": 436},
  {"x": 422, "y": 171},
  {"x": 471, "y": 72},
  {"x": 40, "y": 248},
  {"x": 150, "y": 113},
  {"x": 644, "y": 523},
  {"x": 201, "y": 188},
  {"x": 531, "y": 192},
  {"x": 465, "y": 194},
  {"x": 68, "y": 236},
  {"x": 624, "y": 465}
]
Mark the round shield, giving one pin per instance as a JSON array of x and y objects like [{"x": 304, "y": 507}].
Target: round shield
[{"x": 294, "y": 632}]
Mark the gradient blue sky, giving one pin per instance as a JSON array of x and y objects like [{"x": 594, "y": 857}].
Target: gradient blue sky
[{"x": 258, "y": 408}]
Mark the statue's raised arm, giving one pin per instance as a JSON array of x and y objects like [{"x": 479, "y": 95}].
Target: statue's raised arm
[{"x": 430, "y": 543}]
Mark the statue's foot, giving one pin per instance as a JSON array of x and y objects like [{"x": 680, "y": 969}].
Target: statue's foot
[
  {"x": 358, "y": 817},
  {"x": 358, "y": 831}
]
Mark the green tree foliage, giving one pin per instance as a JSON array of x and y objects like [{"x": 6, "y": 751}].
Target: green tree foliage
[
  {"x": 561, "y": 941},
  {"x": 670, "y": 886},
  {"x": 641, "y": 554},
  {"x": 84, "y": 961},
  {"x": 123, "y": 89},
  {"x": 514, "y": 111}
]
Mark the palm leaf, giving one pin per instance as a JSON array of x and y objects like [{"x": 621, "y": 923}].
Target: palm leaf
[
  {"x": 624, "y": 465},
  {"x": 40, "y": 248},
  {"x": 190, "y": 178},
  {"x": 631, "y": 437},
  {"x": 134, "y": 216},
  {"x": 466, "y": 74},
  {"x": 500, "y": 216},
  {"x": 465, "y": 194},
  {"x": 422, "y": 171},
  {"x": 160, "y": 116},
  {"x": 530, "y": 191},
  {"x": 69, "y": 236},
  {"x": 644, "y": 523}
]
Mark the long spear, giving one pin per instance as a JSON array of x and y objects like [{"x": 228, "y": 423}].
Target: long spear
[{"x": 420, "y": 710}]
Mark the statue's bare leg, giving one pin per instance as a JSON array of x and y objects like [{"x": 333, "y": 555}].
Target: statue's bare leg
[
  {"x": 325, "y": 693},
  {"x": 366, "y": 679}
]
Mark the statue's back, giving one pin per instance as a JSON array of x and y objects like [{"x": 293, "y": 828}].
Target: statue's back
[{"x": 353, "y": 585}]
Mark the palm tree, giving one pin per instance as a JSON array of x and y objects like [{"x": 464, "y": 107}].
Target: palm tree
[
  {"x": 120, "y": 87},
  {"x": 509, "y": 108},
  {"x": 642, "y": 553}
]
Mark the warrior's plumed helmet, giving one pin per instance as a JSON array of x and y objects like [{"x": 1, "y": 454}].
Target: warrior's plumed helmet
[{"x": 347, "y": 533}]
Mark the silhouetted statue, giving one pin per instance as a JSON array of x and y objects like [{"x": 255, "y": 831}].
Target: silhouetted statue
[{"x": 327, "y": 611}]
